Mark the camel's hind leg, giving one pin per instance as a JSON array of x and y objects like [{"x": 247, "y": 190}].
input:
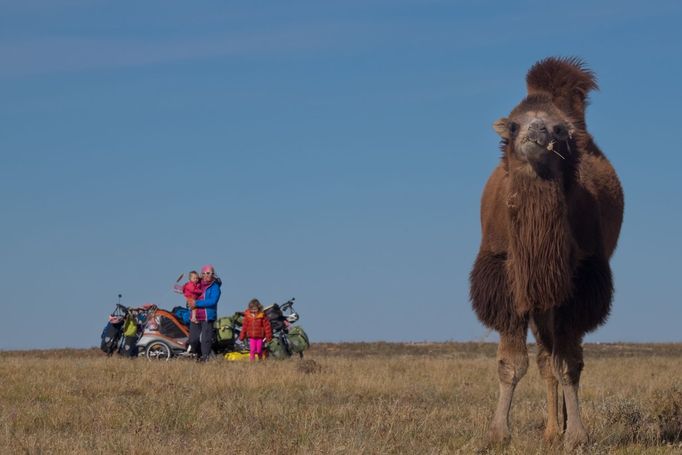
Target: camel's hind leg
[
  {"x": 512, "y": 364},
  {"x": 541, "y": 325},
  {"x": 567, "y": 360}
]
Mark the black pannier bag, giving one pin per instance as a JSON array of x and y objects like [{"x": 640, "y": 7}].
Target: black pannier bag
[
  {"x": 129, "y": 347},
  {"x": 274, "y": 314},
  {"x": 110, "y": 336}
]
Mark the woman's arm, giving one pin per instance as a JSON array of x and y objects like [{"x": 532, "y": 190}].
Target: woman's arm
[{"x": 210, "y": 297}]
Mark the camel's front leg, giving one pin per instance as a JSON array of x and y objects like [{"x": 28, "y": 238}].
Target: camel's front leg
[
  {"x": 541, "y": 325},
  {"x": 567, "y": 360},
  {"x": 552, "y": 428},
  {"x": 512, "y": 364}
]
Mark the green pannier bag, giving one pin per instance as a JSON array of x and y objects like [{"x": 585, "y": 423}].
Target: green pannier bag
[
  {"x": 298, "y": 339},
  {"x": 276, "y": 349},
  {"x": 237, "y": 318},
  {"x": 223, "y": 328}
]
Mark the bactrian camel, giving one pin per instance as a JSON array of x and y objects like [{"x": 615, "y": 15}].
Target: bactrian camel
[{"x": 551, "y": 213}]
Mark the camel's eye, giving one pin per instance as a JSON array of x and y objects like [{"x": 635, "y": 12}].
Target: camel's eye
[
  {"x": 560, "y": 132},
  {"x": 513, "y": 128}
]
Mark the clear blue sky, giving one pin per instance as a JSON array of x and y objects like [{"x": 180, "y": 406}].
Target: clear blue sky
[{"x": 331, "y": 151}]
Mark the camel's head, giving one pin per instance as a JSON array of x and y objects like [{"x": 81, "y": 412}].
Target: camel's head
[
  {"x": 537, "y": 136},
  {"x": 540, "y": 134}
]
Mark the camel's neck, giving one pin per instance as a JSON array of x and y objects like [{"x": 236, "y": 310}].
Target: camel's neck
[{"x": 540, "y": 256}]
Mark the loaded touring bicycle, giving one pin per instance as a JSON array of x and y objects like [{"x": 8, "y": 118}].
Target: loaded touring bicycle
[
  {"x": 123, "y": 329},
  {"x": 287, "y": 339}
]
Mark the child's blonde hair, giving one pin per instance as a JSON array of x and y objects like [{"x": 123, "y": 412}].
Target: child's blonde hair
[{"x": 254, "y": 303}]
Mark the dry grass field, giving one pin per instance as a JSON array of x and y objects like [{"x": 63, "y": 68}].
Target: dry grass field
[{"x": 344, "y": 398}]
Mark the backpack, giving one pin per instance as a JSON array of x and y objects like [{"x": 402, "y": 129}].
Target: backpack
[
  {"x": 130, "y": 328},
  {"x": 182, "y": 314},
  {"x": 298, "y": 340}
]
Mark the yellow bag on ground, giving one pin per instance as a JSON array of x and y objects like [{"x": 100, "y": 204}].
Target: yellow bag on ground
[{"x": 237, "y": 356}]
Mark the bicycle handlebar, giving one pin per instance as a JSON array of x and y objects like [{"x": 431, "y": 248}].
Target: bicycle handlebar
[{"x": 288, "y": 304}]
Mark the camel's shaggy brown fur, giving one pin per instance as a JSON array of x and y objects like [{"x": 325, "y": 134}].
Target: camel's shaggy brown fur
[{"x": 551, "y": 214}]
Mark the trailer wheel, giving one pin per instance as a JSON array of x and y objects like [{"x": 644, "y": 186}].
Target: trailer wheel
[{"x": 158, "y": 350}]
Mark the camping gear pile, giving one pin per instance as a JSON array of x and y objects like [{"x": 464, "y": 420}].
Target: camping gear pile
[{"x": 155, "y": 333}]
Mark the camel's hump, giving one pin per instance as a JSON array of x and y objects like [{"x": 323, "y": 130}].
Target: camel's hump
[{"x": 566, "y": 79}]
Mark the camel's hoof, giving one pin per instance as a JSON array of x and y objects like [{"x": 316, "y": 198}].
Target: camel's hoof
[
  {"x": 551, "y": 435},
  {"x": 575, "y": 438},
  {"x": 499, "y": 435}
]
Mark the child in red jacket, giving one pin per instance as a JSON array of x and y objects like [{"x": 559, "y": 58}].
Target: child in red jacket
[
  {"x": 255, "y": 326},
  {"x": 192, "y": 290}
]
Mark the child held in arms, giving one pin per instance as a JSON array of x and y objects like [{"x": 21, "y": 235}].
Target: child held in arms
[{"x": 192, "y": 290}]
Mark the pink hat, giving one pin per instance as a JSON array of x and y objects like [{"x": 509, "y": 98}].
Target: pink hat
[{"x": 207, "y": 268}]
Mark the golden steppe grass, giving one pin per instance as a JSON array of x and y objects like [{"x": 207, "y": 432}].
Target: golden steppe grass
[{"x": 343, "y": 398}]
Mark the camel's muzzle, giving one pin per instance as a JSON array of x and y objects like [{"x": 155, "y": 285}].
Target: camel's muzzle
[
  {"x": 534, "y": 142},
  {"x": 537, "y": 132}
]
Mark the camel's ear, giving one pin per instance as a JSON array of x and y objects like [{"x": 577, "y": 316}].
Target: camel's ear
[{"x": 501, "y": 126}]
